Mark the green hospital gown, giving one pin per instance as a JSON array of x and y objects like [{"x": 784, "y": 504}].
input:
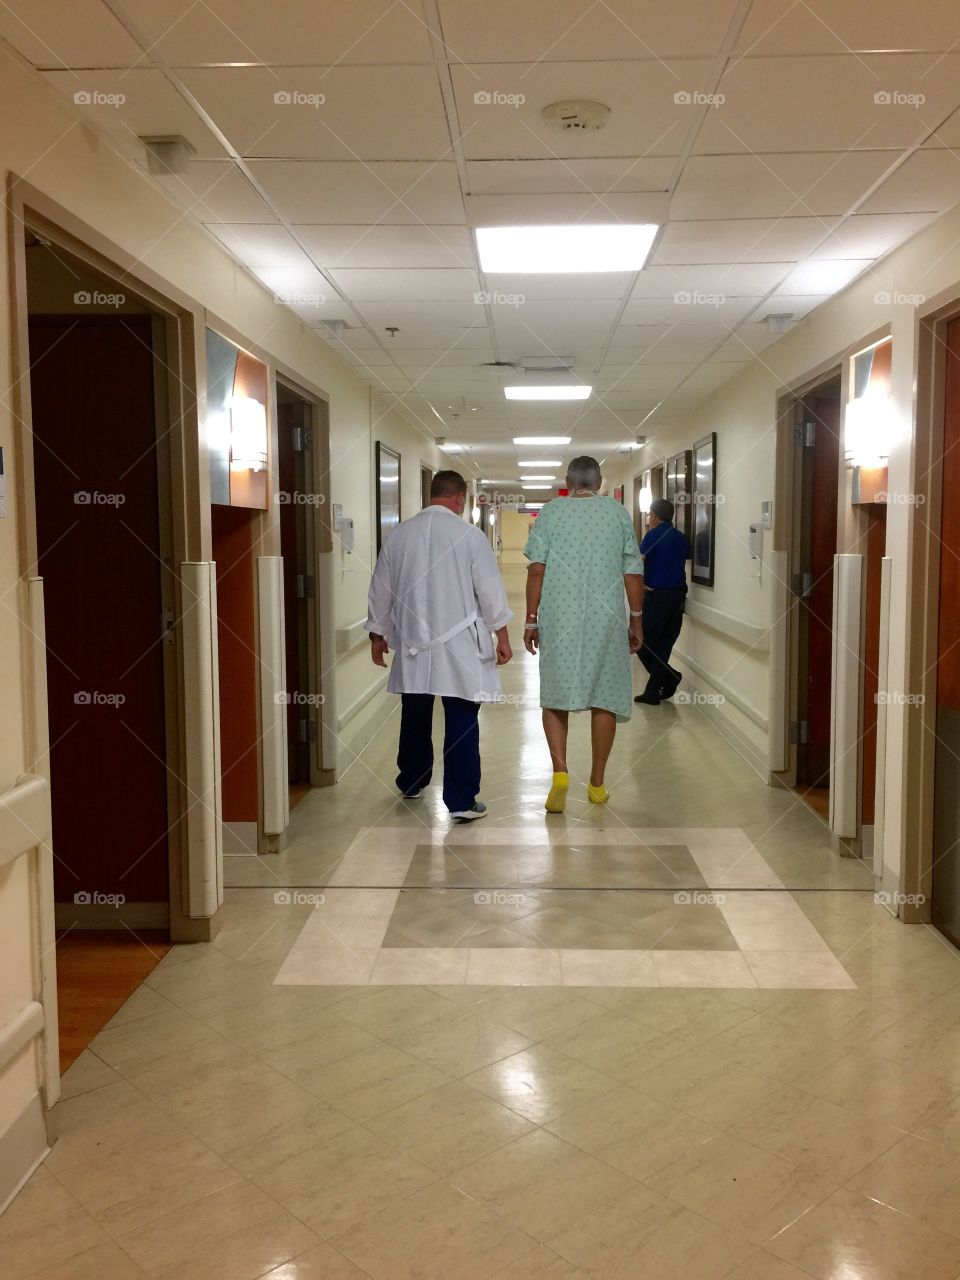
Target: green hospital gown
[{"x": 587, "y": 545}]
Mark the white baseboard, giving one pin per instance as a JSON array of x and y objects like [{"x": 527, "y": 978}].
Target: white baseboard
[{"x": 23, "y": 1146}]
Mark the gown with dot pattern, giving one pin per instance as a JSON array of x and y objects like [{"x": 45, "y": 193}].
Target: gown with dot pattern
[{"x": 587, "y": 545}]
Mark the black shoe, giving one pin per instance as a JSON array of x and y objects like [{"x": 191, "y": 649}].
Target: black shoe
[
  {"x": 647, "y": 700},
  {"x": 671, "y": 687}
]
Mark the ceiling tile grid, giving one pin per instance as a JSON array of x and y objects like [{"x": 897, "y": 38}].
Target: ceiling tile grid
[{"x": 339, "y": 151}]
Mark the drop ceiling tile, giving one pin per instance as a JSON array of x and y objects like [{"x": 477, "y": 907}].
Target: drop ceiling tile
[
  {"x": 773, "y": 186},
  {"x": 827, "y": 103},
  {"x": 540, "y": 32},
  {"x": 428, "y": 339},
  {"x": 67, "y": 33},
  {"x": 547, "y": 317},
  {"x": 304, "y": 290},
  {"x": 128, "y": 105},
  {"x": 828, "y": 276},
  {"x": 564, "y": 286},
  {"x": 332, "y": 113},
  {"x": 639, "y": 371},
  {"x": 741, "y": 240},
  {"x": 689, "y": 306},
  {"x": 453, "y": 359},
  {"x": 583, "y": 341},
  {"x": 644, "y": 118},
  {"x": 928, "y": 179},
  {"x": 217, "y": 191},
  {"x": 600, "y": 176},
  {"x": 388, "y": 193},
  {"x": 320, "y": 32},
  {"x": 870, "y": 235},
  {"x": 835, "y": 26},
  {"x": 458, "y": 315},
  {"x": 388, "y": 246},
  {"x": 367, "y": 358},
  {"x": 260, "y": 245},
  {"x": 796, "y": 304},
  {"x": 733, "y": 279},
  {"x": 381, "y": 284}
]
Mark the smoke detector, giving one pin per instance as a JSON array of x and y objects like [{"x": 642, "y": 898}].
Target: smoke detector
[{"x": 575, "y": 115}]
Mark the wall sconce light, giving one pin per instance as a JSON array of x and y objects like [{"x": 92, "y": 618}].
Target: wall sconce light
[
  {"x": 248, "y": 434},
  {"x": 644, "y": 498},
  {"x": 867, "y": 431},
  {"x": 476, "y": 515}
]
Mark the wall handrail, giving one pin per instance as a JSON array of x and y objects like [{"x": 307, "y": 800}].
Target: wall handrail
[
  {"x": 24, "y": 817},
  {"x": 749, "y": 634}
]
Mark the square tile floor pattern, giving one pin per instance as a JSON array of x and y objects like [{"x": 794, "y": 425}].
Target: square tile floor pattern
[
  {"x": 222, "y": 1126},
  {"x": 228, "y": 1127}
]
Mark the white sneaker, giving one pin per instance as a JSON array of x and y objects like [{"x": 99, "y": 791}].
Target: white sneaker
[{"x": 469, "y": 815}]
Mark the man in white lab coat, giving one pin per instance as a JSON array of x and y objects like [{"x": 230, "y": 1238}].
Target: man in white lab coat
[{"x": 435, "y": 599}]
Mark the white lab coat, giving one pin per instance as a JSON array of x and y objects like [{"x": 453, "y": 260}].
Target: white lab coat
[{"x": 436, "y": 596}]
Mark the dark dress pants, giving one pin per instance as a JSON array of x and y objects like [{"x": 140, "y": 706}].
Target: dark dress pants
[
  {"x": 662, "y": 620},
  {"x": 461, "y": 748}
]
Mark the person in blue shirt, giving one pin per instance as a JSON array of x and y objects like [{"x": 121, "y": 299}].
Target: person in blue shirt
[{"x": 664, "y": 551}]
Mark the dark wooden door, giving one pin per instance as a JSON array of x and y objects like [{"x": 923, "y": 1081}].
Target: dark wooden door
[
  {"x": 820, "y": 464},
  {"x": 99, "y": 554},
  {"x": 295, "y": 467},
  {"x": 946, "y": 840}
]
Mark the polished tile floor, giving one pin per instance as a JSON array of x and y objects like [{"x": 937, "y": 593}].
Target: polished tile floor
[{"x": 544, "y": 1060}]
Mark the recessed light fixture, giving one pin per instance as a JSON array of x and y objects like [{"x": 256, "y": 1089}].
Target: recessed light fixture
[
  {"x": 547, "y": 393},
  {"x": 537, "y": 486},
  {"x": 528, "y": 440},
  {"x": 538, "y": 477},
  {"x": 540, "y": 462},
  {"x": 566, "y": 249}
]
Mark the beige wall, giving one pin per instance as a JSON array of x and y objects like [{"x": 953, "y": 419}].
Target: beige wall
[
  {"x": 42, "y": 141},
  {"x": 743, "y": 413},
  {"x": 514, "y": 529}
]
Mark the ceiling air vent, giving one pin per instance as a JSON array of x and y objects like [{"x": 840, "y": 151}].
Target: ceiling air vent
[
  {"x": 576, "y": 116},
  {"x": 548, "y": 364}
]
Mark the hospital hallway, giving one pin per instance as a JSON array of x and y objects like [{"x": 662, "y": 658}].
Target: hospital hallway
[{"x": 672, "y": 1036}]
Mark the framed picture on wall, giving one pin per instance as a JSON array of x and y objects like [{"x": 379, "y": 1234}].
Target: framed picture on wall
[
  {"x": 704, "y": 510},
  {"x": 388, "y": 492},
  {"x": 676, "y": 487}
]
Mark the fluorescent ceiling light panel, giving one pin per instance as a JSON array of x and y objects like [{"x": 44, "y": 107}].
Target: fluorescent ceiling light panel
[
  {"x": 538, "y": 477},
  {"x": 537, "y": 486},
  {"x": 539, "y": 462},
  {"x": 547, "y": 393},
  {"x": 581, "y": 247},
  {"x": 528, "y": 440}
]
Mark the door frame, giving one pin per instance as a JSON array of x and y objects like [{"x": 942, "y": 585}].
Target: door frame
[
  {"x": 785, "y": 627},
  {"x": 321, "y": 631},
  {"x": 784, "y": 631},
  {"x": 181, "y": 481},
  {"x": 923, "y": 606}
]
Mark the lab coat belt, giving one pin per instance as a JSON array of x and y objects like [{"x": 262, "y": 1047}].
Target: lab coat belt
[{"x": 414, "y": 649}]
